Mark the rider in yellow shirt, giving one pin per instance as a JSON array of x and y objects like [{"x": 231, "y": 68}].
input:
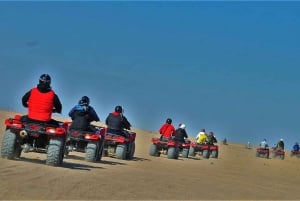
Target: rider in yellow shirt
[{"x": 201, "y": 137}]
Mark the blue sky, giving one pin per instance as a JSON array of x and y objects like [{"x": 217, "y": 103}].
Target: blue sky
[{"x": 230, "y": 67}]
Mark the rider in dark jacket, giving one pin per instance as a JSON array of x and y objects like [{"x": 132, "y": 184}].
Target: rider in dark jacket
[
  {"x": 211, "y": 139},
  {"x": 82, "y": 115},
  {"x": 116, "y": 122},
  {"x": 180, "y": 133}
]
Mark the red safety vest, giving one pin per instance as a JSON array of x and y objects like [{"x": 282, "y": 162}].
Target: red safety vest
[{"x": 40, "y": 105}]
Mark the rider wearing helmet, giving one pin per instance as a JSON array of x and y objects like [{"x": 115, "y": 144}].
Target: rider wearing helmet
[
  {"x": 116, "y": 122},
  {"x": 167, "y": 129},
  {"x": 296, "y": 147},
  {"x": 180, "y": 133},
  {"x": 41, "y": 101},
  {"x": 82, "y": 115},
  {"x": 201, "y": 137},
  {"x": 211, "y": 139},
  {"x": 280, "y": 145},
  {"x": 263, "y": 144}
]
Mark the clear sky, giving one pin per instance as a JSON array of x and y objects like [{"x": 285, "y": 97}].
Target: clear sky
[{"x": 230, "y": 67}]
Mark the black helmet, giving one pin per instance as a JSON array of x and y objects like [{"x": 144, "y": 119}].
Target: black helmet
[
  {"x": 169, "y": 121},
  {"x": 119, "y": 109},
  {"x": 84, "y": 100},
  {"x": 45, "y": 79}
]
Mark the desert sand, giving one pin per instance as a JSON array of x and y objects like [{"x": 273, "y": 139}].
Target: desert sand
[{"x": 237, "y": 174}]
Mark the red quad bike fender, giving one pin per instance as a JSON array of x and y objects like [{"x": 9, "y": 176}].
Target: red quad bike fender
[
  {"x": 278, "y": 152},
  {"x": 172, "y": 143},
  {"x": 95, "y": 136},
  {"x": 205, "y": 147},
  {"x": 116, "y": 138},
  {"x": 295, "y": 152},
  {"x": 155, "y": 140},
  {"x": 262, "y": 150},
  {"x": 17, "y": 124},
  {"x": 187, "y": 144},
  {"x": 59, "y": 132},
  {"x": 14, "y": 122},
  {"x": 87, "y": 135},
  {"x": 131, "y": 137},
  {"x": 214, "y": 148}
]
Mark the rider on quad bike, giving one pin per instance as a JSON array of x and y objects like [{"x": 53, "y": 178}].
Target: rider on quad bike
[
  {"x": 41, "y": 102},
  {"x": 36, "y": 131},
  {"x": 82, "y": 115},
  {"x": 167, "y": 130},
  {"x": 119, "y": 141},
  {"x": 201, "y": 137},
  {"x": 116, "y": 122},
  {"x": 82, "y": 136}
]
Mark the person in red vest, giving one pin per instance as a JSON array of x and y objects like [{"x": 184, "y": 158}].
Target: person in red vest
[
  {"x": 167, "y": 129},
  {"x": 42, "y": 101}
]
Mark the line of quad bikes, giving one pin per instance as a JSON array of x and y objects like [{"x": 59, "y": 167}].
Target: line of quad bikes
[
  {"x": 57, "y": 141},
  {"x": 265, "y": 153}
]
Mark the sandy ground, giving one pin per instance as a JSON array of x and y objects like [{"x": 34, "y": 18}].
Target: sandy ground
[{"x": 236, "y": 175}]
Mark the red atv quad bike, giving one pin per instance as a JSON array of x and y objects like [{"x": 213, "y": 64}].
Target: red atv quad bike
[
  {"x": 176, "y": 148},
  {"x": 206, "y": 150},
  {"x": 122, "y": 147},
  {"x": 90, "y": 143},
  {"x": 278, "y": 153},
  {"x": 262, "y": 152},
  {"x": 295, "y": 153},
  {"x": 170, "y": 147},
  {"x": 34, "y": 137},
  {"x": 159, "y": 146}
]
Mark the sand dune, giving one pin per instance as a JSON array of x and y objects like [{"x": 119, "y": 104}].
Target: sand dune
[{"x": 236, "y": 175}]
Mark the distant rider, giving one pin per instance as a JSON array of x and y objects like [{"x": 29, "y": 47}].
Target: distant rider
[
  {"x": 180, "y": 133},
  {"x": 167, "y": 129},
  {"x": 41, "y": 102},
  {"x": 280, "y": 145},
  {"x": 296, "y": 147},
  {"x": 263, "y": 144},
  {"x": 116, "y": 122},
  {"x": 201, "y": 137},
  {"x": 82, "y": 115},
  {"x": 211, "y": 139}
]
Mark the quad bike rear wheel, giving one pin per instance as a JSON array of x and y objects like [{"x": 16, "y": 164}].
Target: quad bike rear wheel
[
  {"x": 214, "y": 154},
  {"x": 185, "y": 153},
  {"x": 153, "y": 150},
  {"x": 205, "y": 154},
  {"x": 91, "y": 152},
  {"x": 121, "y": 151},
  {"x": 192, "y": 151},
  {"x": 8, "y": 145},
  {"x": 173, "y": 152},
  {"x": 131, "y": 150},
  {"x": 55, "y": 152}
]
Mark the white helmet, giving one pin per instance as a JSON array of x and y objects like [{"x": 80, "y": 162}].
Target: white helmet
[
  {"x": 281, "y": 139},
  {"x": 182, "y": 126}
]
